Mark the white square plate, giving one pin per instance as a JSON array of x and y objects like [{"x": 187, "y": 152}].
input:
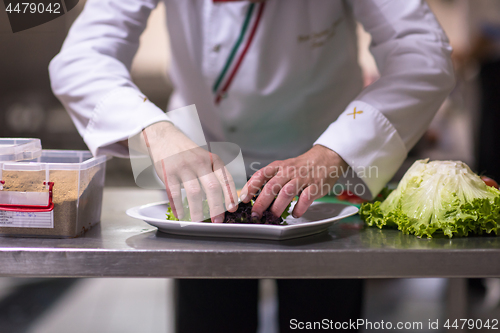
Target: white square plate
[{"x": 319, "y": 217}]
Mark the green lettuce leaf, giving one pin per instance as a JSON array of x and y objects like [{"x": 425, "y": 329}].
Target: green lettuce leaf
[
  {"x": 439, "y": 197},
  {"x": 170, "y": 214},
  {"x": 286, "y": 213}
]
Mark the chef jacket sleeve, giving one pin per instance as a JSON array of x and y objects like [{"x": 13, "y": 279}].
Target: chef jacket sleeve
[
  {"x": 91, "y": 74},
  {"x": 376, "y": 131}
]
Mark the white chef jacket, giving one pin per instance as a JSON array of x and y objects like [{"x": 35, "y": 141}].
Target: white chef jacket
[{"x": 298, "y": 82}]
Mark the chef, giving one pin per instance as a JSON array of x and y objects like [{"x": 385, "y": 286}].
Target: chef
[{"x": 281, "y": 79}]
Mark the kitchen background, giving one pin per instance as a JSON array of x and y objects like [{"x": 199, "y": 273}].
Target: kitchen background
[{"x": 29, "y": 109}]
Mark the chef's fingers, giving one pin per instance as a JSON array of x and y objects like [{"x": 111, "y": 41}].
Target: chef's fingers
[
  {"x": 213, "y": 192},
  {"x": 227, "y": 183},
  {"x": 286, "y": 195},
  {"x": 172, "y": 188},
  {"x": 312, "y": 192},
  {"x": 258, "y": 180},
  {"x": 194, "y": 195},
  {"x": 202, "y": 162},
  {"x": 269, "y": 193},
  {"x": 174, "y": 194}
]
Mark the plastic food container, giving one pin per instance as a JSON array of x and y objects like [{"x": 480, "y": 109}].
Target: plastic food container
[
  {"x": 19, "y": 149},
  {"x": 57, "y": 194}
]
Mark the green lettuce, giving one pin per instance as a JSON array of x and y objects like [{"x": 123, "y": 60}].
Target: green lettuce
[
  {"x": 286, "y": 213},
  {"x": 439, "y": 197}
]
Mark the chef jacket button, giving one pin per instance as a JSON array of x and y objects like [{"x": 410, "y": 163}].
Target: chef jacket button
[
  {"x": 232, "y": 129},
  {"x": 216, "y": 48}
]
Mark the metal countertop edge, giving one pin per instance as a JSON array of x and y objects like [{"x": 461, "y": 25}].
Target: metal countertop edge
[
  {"x": 239, "y": 265},
  {"x": 263, "y": 251}
]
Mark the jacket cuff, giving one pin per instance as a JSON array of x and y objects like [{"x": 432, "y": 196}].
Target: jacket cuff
[
  {"x": 120, "y": 114},
  {"x": 369, "y": 144}
]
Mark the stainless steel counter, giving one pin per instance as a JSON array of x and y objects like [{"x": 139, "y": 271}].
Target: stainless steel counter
[{"x": 125, "y": 247}]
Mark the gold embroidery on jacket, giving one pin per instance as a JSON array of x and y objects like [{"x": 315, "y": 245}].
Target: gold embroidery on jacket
[{"x": 355, "y": 113}]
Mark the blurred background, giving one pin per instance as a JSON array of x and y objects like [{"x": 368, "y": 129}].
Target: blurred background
[{"x": 29, "y": 109}]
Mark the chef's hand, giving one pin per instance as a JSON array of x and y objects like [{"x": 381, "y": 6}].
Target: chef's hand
[
  {"x": 178, "y": 160},
  {"x": 311, "y": 176}
]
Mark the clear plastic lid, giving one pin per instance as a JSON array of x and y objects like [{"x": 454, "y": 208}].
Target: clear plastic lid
[{"x": 12, "y": 150}]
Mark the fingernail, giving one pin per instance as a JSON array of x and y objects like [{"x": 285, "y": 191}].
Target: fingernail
[
  {"x": 230, "y": 206},
  {"x": 255, "y": 216},
  {"x": 294, "y": 216},
  {"x": 218, "y": 219},
  {"x": 243, "y": 195}
]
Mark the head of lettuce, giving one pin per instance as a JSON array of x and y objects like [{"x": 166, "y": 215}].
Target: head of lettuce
[{"x": 438, "y": 197}]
